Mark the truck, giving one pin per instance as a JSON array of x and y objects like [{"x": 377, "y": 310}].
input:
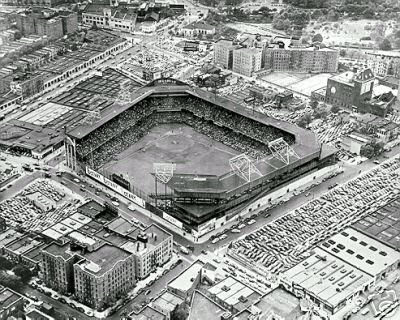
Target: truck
[{"x": 184, "y": 250}]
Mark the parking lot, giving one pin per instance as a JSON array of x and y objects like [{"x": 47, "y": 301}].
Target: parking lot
[
  {"x": 20, "y": 210},
  {"x": 284, "y": 242}
]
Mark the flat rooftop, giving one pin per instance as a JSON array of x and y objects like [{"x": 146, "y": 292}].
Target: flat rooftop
[
  {"x": 23, "y": 245},
  {"x": 203, "y": 307},
  {"x": 281, "y": 303},
  {"x": 234, "y": 293},
  {"x": 59, "y": 250},
  {"x": 9, "y": 236},
  {"x": 91, "y": 209},
  {"x": 8, "y": 297},
  {"x": 148, "y": 313},
  {"x": 103, "y": 259},
  {"x": 322, "y": 274},
  {"x": 383, "y": 225},
  {"x": 16, "y": 133},
  {"x": 121, "y": 226},
  {"x": 167, "y": 301},
  {"x": 183, "y": 282},
  {"x": 361, "y": 251}
]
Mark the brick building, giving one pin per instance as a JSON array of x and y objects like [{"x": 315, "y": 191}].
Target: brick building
[
  {"x": 350, "y": 89},
  {"x": 246, "y": 61},
  {"x": 223, "y": 53}
]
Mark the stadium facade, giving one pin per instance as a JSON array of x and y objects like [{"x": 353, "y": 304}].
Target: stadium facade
[{"x": 283, "y": 152}]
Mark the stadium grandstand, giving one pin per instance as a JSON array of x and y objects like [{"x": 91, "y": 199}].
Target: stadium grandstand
[{"x": 268, "y": 154}]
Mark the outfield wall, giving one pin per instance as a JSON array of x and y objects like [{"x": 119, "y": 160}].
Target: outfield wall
[
  {"x": 266, "y": 200},
  {"x": 115, "y": 187}
]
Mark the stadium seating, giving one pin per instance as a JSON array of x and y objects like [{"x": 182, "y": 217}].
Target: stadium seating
[{"x": 241, "y": 133}]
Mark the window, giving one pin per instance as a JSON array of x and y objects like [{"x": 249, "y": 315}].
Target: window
[
  {"x": 369, "y": 262},
  {"x": 353, "y": 238},
  {"x": 360, "y": 257},
  {"x": 341, "y": 247},
  {"x": 345, "y": 234},
  {"x": 349, "y": 251},
  {"x": 364, "y": 244},
  {"x": 372, "y": 248},
  {"x": 383, "y": 253},
  {"x": 336, "y": 250},
  {"x": 331, "y": 241}
]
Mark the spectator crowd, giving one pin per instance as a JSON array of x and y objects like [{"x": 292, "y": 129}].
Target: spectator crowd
[{"x": 241, "y": 133}]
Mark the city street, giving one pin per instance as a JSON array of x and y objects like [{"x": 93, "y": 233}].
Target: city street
[{"x": 62, "y": 310}]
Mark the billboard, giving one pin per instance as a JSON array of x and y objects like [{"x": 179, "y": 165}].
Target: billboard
[
  {"x": 172, "y": 220},
  {"x": 120, "y": 180},
  {"x": 117, "y": 188}
]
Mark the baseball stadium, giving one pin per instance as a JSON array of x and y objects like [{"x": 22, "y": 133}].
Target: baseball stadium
[{"x": 190, "y": 154}]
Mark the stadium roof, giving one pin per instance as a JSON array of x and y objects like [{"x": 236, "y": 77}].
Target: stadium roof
[{"x": 306, "y": 141}]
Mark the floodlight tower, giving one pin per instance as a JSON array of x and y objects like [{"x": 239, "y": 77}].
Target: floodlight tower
[
  {"x": 282, "y": 151},
  {"x": 244, "y": 167}
]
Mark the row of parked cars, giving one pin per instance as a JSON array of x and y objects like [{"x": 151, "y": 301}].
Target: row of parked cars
[
  {"x": 236, "y": 228},
  {"x": 38, "y": 285}
]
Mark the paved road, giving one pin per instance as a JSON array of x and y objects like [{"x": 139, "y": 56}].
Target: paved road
[
  {"x": 155, "y": 290},
  {"x": 64, "y": 310}
]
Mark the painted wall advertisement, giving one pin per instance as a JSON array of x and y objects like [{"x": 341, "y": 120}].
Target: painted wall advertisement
[
  {"x": 112, "y": 185},
  {"x": 172, "y": 220}
]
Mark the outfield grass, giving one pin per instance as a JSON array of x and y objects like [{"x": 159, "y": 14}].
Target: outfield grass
[{"x": 191, "y": 151}]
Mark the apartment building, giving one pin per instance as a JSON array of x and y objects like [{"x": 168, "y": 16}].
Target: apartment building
[
  {"x": 223, "y": 53},
  {"x": 151, "y": 248},
  {"x": 99, "y": 269},
  {"x": 57, "y": 267},
  {"x": 47, "y": 23},
  {"x": 103, "y": 276},
  {"x": 298, "y": 59},
  {"x": 246, "y": 61},
  {"x": 52, "y": 28},
  {"x": 383, "y": 63}
]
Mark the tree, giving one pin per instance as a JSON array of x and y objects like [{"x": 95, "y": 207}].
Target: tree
[
  {"x": 179, "y": 313},
  {"x": 304, "y": 121},
  {"x": 372, "y": 149},
  {"x": 342, "y": 52},
  {"x": 333, "y": 15},
  {"x": 9, "y": 280},
  {"x": 317, "y": 38},
  {"x": 17, "y": 35},
  {"x": 321, "y": 112},
  {"x": 335, "y": 109},
  {"x": 385, "y": 45},
  {"x": 23, "y": 272},
  {"x": 5, "y": 264}
]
